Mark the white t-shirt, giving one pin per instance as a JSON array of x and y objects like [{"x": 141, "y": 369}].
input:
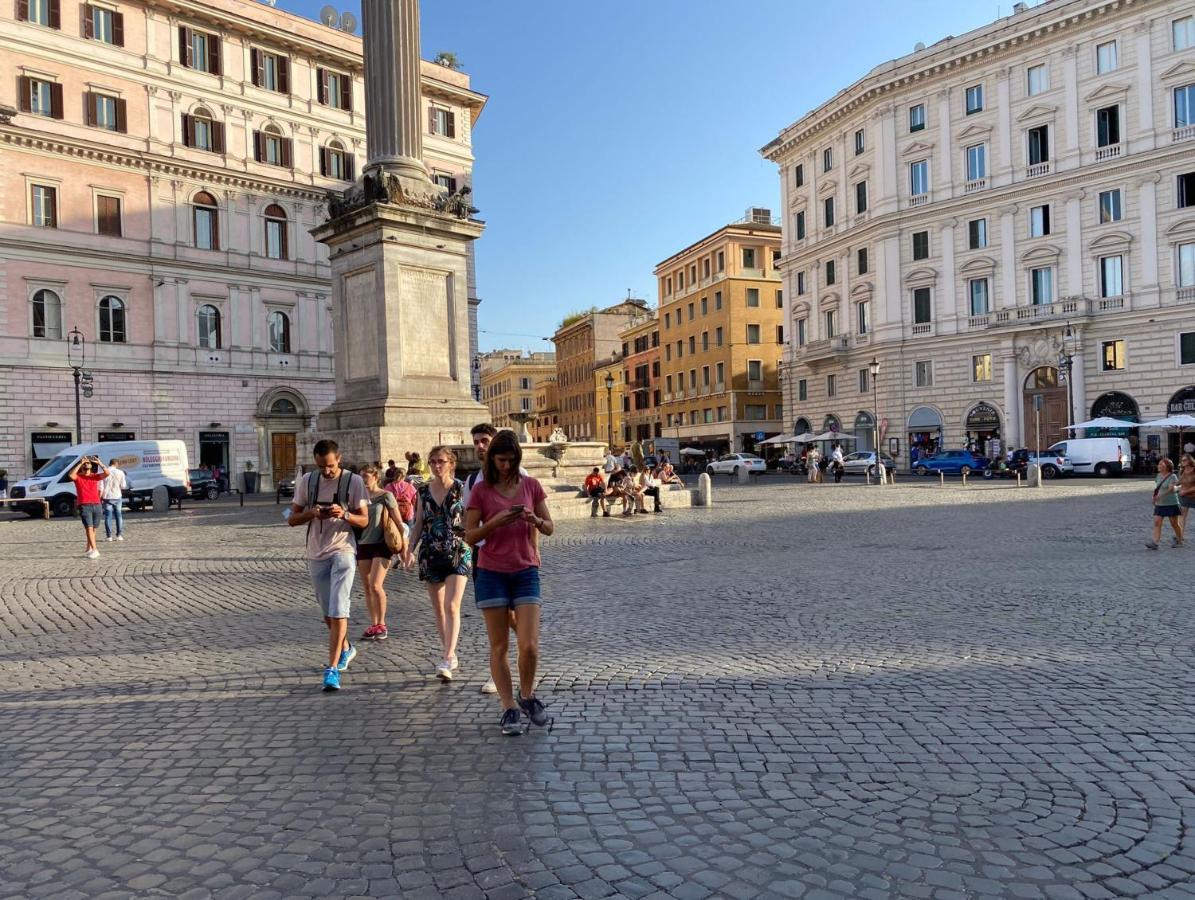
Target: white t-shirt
[
  {"x": 112, "y": 487},
  {"x": 611, "y": 463},
  {"x": 327, "y": 537},
  {"x": 837, "y": 455}
]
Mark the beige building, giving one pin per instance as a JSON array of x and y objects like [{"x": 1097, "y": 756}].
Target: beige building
[
  {"x": 721, "y": 332},
  {"x": 582, "y": 340},
  {"x": 641, "y": 417},
  {"x": 609, "y": 391},
  {"x": 981, "y": 215},
  {"x": 510, "y": 384},
  {"x": 547, "y": 410}
]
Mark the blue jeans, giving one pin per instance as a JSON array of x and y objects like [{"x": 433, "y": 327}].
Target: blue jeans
[{"x": 113, "y": 510}]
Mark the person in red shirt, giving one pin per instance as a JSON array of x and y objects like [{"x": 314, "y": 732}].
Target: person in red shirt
[
  {"x": 595, "y": 488},
  {"x": 87, "y": 474}
]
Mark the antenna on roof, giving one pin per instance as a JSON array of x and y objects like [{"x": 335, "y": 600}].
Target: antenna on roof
[
  {"x": 348, "y": 22},
  {"x": 333, "y": 19},
  {"x": 329, "y": 16}
]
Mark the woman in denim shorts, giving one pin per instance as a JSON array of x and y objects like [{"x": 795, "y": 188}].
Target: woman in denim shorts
[
  {"x": 1186, "y": 486},
  {"x": 509, "y": 512}
]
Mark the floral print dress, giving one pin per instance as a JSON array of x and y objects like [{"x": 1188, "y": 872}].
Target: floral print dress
[{"x": 442, "y": 547}]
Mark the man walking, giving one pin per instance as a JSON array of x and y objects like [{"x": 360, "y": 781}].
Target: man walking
[
  {"x": 112, "y": 498},
  {"x": 331, "y": 502},
  {"x": 87, "y": 474}
]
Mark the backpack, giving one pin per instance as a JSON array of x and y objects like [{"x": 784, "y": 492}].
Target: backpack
[{"x": 339, "y": 498}]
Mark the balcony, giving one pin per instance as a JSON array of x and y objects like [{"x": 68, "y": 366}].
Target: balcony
[
  {"x": 1186, "y": 133},
  {"x": 973, "y": 187},
  {"x": 1112, "y": 151},
  {"x": 1037, "y": 170},
  {"x": 1106, "y": 304},
  {"x": 919, "y": 200},
  {"x": 691, "y": 392},
  {"x": 830, "y": 348},
  {"x": 922, "y": 329},
  {"x": 1185, "y": 294},
  {"x": 980, "y": 321},
  {"x": 1071, "y": 307},
  {"x": 755, "y": 387}
]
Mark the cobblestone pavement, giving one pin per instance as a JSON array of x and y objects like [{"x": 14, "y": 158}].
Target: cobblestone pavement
[{"x": 836, "y": 691}]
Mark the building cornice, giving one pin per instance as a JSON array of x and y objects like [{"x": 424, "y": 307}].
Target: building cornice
[{"x": 720, "y": 236}]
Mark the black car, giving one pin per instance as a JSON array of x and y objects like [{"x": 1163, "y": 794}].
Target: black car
[{"x": 204, "y": 485}]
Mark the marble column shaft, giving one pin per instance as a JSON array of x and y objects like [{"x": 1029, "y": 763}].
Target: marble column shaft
[{"x": 393, "y": 108}]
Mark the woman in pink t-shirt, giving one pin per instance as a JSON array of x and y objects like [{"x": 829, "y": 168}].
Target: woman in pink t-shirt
[{"x": 509, "y": 512}]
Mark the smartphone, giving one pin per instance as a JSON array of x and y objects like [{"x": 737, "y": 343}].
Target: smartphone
[{"x": 518, "y": 507}]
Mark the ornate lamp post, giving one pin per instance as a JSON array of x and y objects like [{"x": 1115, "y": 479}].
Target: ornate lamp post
[
  {"x": 477, "y": 377},
  {"x": 1066, "y": 363},
  {"x": 610, "y": 411},
  {"x": 873, "y": 367},
  {"x": 76, "y": 355}
]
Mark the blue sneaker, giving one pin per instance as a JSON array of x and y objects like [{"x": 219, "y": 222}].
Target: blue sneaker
[
  {"x": 331, "y": 679},
  {"x": 346, "y": 656}
]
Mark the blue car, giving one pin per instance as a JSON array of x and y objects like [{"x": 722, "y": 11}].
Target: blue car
[{"x": 952, "y": 462}]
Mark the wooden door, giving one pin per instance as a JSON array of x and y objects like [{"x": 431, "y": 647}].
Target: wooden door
[
  {"x": 282, "y": 454},
  {"x": 1053, "y": 417}
]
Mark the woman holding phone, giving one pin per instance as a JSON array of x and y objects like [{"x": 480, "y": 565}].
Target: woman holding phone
[{"x": 514, "y": 510}]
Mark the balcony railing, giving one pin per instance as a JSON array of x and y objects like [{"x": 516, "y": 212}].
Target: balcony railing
[
  {"x": 1183, "y": 134},
  {"x": 1186, "y": 294},
  {"x": 1112, "y": 151},
  {"x": 1037, "y": 169},
  {"x": 980, "y": 321},
  {"x": 824, "y": 349},
  {"x": 756, "y": 386},
  {"x": 1106, "y": 304},
  {"x": 919, "y": 200},
  {"x": 923, "y": 328},
  {"x": 978, "y": 184}
]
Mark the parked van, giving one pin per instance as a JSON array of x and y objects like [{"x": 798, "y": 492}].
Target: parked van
[
  {"x": 148, "y": 464},
  {"x": 1097, "y": 456}
]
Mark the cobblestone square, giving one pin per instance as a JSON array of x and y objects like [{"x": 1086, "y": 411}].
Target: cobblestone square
[{"x": 836, "y": 691}]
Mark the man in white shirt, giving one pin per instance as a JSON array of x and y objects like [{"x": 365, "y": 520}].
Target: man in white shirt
[
  {"x": 836, "y": 462},
  {"x": 111, "y": 496}
]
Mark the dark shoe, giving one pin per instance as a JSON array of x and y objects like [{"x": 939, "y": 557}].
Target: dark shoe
[
  {"x": 534, "y": 709},
  {"x": 510, "y": 723},
  {"x": 606, "y": 514}
]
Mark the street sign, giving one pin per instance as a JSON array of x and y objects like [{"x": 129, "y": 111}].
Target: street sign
[{"x": 759, "y": 435}]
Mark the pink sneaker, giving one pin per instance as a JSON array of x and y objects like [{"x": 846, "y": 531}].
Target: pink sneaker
[
  {"x": 370, "y": 633},
  {"x": 381, "y": 634}
]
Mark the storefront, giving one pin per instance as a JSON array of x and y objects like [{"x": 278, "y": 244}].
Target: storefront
[
  {"x": 925, "y": 433},
  {"x": 1116, "y": 405},
  {"x": 1182, "y": 403},
  {"x": 45, "y": 445},
  {"x": 982, "y": 427},
  {"x": 865, "y": 432}
]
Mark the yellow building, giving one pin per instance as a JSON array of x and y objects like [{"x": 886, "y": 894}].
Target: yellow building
[
  {"x": 509, "y": 383},
  {"x": 642, "y": 375},
  {"x": 609, "y": 391},
  {"x": 722, "y": 336},
  {"x": 547, "y": 410}
]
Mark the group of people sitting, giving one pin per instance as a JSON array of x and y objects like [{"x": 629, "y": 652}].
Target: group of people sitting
[{"x": 631, "y": 485}]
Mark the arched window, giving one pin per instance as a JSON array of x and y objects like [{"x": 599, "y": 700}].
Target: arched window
[
  {"x": 203, "y": 124},
  {"x": 207, "y": 219},
  {"x": 47, "y": 315},
  {"x": 112, "y": 320},
  {"x": 275, "y": 232},
  {"x": 208, "y": 318},
  {"x": 271, "y": 145},
  {"x": 284, "y": 407},
  {"x": 279, "y": 324},
  {"x": 336, "y": 162}
]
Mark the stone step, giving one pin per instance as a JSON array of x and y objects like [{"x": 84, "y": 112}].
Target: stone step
[{"x": 571, "y": 506}]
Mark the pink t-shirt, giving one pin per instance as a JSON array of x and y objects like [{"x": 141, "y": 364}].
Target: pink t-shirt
[{"x": 513, "y": 547}]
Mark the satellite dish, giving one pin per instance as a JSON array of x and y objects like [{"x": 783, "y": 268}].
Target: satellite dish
[
  {"x": 329, "y": 16},
  {"x": 348, "y": 22},
  {"x": 918, "y": 47}
]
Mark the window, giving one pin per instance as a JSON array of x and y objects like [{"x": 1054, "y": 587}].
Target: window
[
  {"x": 748, "y": 257},
  {"x": 334, "y": 89},
  {"x": 705, "y": 268},
  {"x": 981, "y": 367},
  {"x": 47, "y": 315},
  {"x": 752, "y": 334},
  {"x": 753, "y": 296},
  {"x": 107, "y": 216},
  {"x": 829, "y": 318},
  {"x": 103, "y": 25},
  {"x": 922, "y": 306},
  {"x": 102, "y": 111},
  {"x": 754, "y": 371},
  {"x": 205, "y": 216},
  {"x": 336, "y": 163},
  {"x": 692, "y": 312},
  {"x": 1112, "y": 356},
  {"x": 780, "y": 299},
  {"x": 831, "y": 385},
  {"x": 977, "y": 234},
  {"x": 1041, "y": 283},
  {"x": 667, "y": 353},
  {"x": 977, "y": 289},
  {"x": 1186, "y": 265},
  {"x": 1185, "y": 193},
  {"x": 861, "y": 261},
  {"x": 799, "y": 175},
  {"x": 202, "y": 132},
  {"x": 779, "y": 334},
  {"x": 1107, "y": 126},
  {"x": 199, "y": 50},
  {"x": 920, "y": 245},
  {"x": 271, "y": 148},
  {"x": 720, "y": 374},
  {"x": 1111, "y": 276},
  {"x": 803, "y": 389},
  {"x": 974, "y": 102},
  {"x": 1039, "y": 145},
  {"x": 1110, "y": 208},
  {"x": 668, "y": 384},
  {"x": 112, "y": 321},
  {"x": 828, "y": 211},
  {"x": 276, "y": 247},
  {"x": 718, "y": 336},
  {"x": 44, "y": 200},
  {"x": 40, "y": 97},
  {"x": 923, "y": 373},
  {"x": 1182, "y": 32},
  {"x": 864, "y": 381},
  {"x": 831, "y": 272},
  {"x": 861, "y": 197},
  {"x": 269, "y": 70},
  {"x": 863, "y": 316},
  {"x": 827, "y": 159},
  {"x": 1038, "y": 79},
  {"x": 977, "y": 162},
  {"x": 692, "y": 344},
  {"x": 47, "y": 12},
  {"x": 1184, "y": 106},
  {"x": 208, "y": 320},
  {"x": 919, "y": 178},
  {"x": 1105, "y": 57},
  {"x": 1039, "y": 221},
  {"x": 917, "y": 117},
  {"x": 799, "y": 226},
  {"x": 705, "y": 305},
  {"x": 279, "y": 327},
  {"x": 680, "y": 349},
  {"x": 1186, "y": 348},
  {"x": 800, "y": 284},
  {"x": 756, "y": 412},
  {"x": 705, "y": 340},
  {"x": 721, "y": 261},
  {"x": 860, "y": 141}
]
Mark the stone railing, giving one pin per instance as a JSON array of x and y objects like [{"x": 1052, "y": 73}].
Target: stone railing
[
  {"x": 919, "y": 200},
  {"x": 1112, "y": 151},
  {"x": 1039, "y": 169},
  {"x": 1183, "y": 134},
  {"x": 979, "y": 184}
]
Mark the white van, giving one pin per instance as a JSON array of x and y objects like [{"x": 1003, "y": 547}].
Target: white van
[
  {"x": 147, "y": 464},
  {"x": 1097, "y": 456}
]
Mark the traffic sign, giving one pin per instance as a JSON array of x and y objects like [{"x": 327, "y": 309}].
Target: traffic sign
[{"x": 759, "y": 435}]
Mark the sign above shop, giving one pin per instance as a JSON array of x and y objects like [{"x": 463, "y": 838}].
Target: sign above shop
[
  {"x": 1182, "y": 403},
  {"x": 983, "y": 417}
]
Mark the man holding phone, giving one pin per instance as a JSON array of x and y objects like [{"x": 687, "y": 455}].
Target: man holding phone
[
  {"x": 331, "y": 501},
  {"x": 87, "y": 474}
]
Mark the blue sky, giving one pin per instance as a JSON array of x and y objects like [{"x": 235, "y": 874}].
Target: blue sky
[{"x": 618, "y": 132}]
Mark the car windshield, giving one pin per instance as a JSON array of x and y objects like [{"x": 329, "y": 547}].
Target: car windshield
[
  {"x": 57, "y": 465},
  {"x": 749, "y": 456}
]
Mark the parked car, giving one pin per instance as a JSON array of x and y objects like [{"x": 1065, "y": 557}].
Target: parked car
[
  {"x": 286, "y": 488},
  {"x": 1053, "y": 465},
  {"x": 951, "y": 462},
  {"x": 1097, "y": 456},
  {"x": 864, "y": 462},
  {"x": 731, "y": 463},
  {"x": 203, "y": 485}
]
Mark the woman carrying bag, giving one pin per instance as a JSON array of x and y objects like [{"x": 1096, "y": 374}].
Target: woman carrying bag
[
  {"x": 1165, "y": 501},
  {"x": 381, "y": 539}
]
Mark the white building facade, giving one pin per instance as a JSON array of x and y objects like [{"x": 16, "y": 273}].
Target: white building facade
[{"x": 980, "y": 217}]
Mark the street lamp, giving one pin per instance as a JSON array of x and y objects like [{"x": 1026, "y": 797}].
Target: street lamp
[
  {"x": 874, "y": 368},
  {"x": 1066, "y": 362},
  {"x": 76, "y": 356},
  {"x": 610, "y": 411},
  {"x": 477, "y": 377}
]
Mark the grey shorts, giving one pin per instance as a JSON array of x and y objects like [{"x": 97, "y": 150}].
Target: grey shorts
[
  {"x": 333, "y": 582},
  {"x": 91, "y": 514}
]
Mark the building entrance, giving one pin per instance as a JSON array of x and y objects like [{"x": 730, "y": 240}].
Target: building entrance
[
  {"x": 1043, "y": 382},
  {"x": 282, "y": 454}
]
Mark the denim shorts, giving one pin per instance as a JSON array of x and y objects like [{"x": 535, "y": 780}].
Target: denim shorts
[
  {"x": 333, "y": 581},
  {"x": 1166, "y": 512},
  {"x": 91, "y": 514},
  {"x": 1186, "y": 502},
  {"x": 506, "y": 590}
]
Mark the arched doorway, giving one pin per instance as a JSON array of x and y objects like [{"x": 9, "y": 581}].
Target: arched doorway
[
  {"x": 832, "y": 423},
  {"x": 1181, "y": 403},
  {"x": 281, "y": 414},
  {"x": 802, "y": 426},
  {"x": 982, "y": 425},
  {"x": 1117, "y": 405},
  {"x": 925, "y": 433},
  {"x": 1043, "y": 389},
  {"x": 865, "y": 431}
]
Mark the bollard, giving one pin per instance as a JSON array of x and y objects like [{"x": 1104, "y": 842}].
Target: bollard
[
  {"x": 964, "y": 479},
  {"x": 1018, "y": 479},
  {"x": 705, "y": 490},
  {"x": 941, "y": 478},
  {"x": 867, "y": 476}
]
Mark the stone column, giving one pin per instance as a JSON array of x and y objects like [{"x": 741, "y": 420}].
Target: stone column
[
  {"x": 1078, "y": 377},
  {"x": 1012, "y": 405},
  {"x": 393, "y": 108}
]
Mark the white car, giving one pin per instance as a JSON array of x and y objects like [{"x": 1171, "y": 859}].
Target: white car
[
  {"x": 864, "y": 462},
  {"x": 731, "y": 463}
]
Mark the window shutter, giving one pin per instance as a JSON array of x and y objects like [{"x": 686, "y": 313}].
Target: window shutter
[
  {"x": 22, "y": 10},
  {"x": 118, "y": 29},
  {"x": 431, "y": 120},
  {"x": 259, "y": 141},
  {"x": 218, "y": 137},
  {"x": 214, "y": 61},
  {"x": 323, "y": 160},
  {"x": 122, "y": 116},
  {"x": 25, "y": 101},
  {"x": 287, "y": 152},
  {"x": 321, "y": 86},
  {"x": 348, "y": 167},
  {"x": 452, "y": 124},
  {"x": 184, "y": 47},
  {"x": 283, "y": 75},
  {"x": 53, "y": 192},
  {"x": 283, "y": 241},
  {"x": 55, "y": 14},
  {"x": 56, "y": 100},
  {"x": 89, "y": 104},
  {"x": 88, "y": 22},
  {"x": 256, "y": 66},
  {"x": 346, "y": 92},
  {"x": 188, "y": 131}
]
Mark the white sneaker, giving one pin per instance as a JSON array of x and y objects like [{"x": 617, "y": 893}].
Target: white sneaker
[
  {"x": 108, "y": 540},
  {"x": 489, "y": 687},
  {"x": 455, "y": 662},
  {"x": 444, "y": 670},
  {"x": 92, "y": 554},
  {"x": 120, "y": 537}
]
